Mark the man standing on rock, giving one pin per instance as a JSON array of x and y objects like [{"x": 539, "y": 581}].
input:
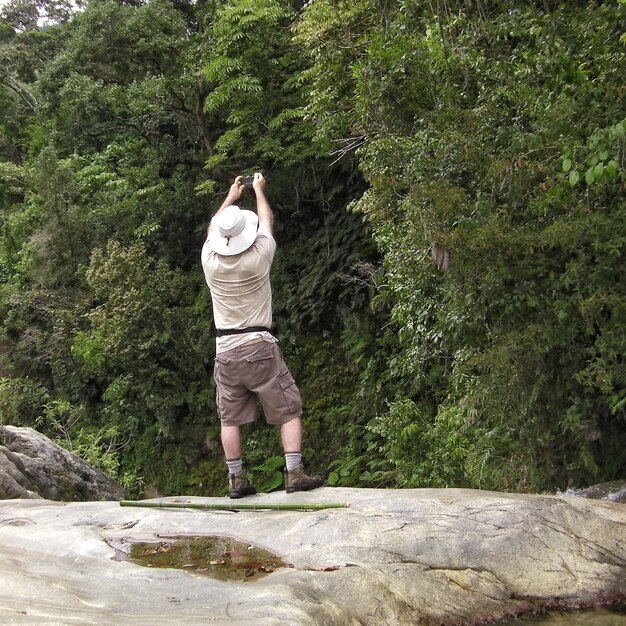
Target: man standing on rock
[{"x": 236, "y": 259}]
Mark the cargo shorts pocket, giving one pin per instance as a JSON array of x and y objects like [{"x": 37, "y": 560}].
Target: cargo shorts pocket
[
  {"x": 291, "y": 392},
  {"x": 262, "y": 353},
  {"x": 260, "y": 364}
]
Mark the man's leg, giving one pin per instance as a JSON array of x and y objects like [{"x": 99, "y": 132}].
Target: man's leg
[
  {"x": 236, "y": 405},
  {"x": 231, "y": 442},
  {"x": 295, "y": 478},
  {"x": 237, "y": 480},
  {"x": 282, "y": 404},
  {"x": 291, "y": 435},
  {"x": 291, "y": 438}
]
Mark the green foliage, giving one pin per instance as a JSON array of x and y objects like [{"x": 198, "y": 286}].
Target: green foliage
[
  {"x": 100, "y": 447},
  {"x": 22, "y": 401},
  {"x": 254, "y": 92},
  {"x": 366, "y": 470},
  {"x": 429, "y": 453},
  {"x": 268, "y": 476},
  {"x": 473, "y": 153}
]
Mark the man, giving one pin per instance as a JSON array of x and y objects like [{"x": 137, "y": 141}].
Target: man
[{"x": 236, "y": 259}]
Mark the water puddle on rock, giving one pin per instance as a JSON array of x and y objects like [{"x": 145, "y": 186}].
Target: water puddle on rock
[{"x": 218, "y": 557}]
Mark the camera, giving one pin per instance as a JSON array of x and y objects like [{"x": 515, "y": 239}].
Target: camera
[{"x": 247, "y": 181}]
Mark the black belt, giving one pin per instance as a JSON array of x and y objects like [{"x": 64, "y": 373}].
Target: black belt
[{"x": 220, "y": 332}]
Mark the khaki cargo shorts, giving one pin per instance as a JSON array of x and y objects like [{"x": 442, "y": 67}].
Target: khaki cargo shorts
[{"x": 251, "y": 371}]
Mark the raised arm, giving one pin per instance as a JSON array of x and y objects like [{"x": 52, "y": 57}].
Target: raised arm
[
  {"x": 263, "y": 209},
  {"x": 234, "y": 193}
]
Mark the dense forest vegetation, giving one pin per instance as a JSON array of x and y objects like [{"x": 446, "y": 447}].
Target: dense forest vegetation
[{"x": 448, "y": 183}]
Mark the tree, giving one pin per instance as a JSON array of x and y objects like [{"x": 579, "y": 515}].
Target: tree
[{"x": 478, "y": 138}]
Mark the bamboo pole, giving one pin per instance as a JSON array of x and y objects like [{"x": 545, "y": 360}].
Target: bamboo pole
[{"x": 243, "y": 506}]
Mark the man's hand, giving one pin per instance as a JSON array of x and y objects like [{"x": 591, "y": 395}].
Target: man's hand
[
  {"x": 235, "y": 191},
  {"x": 258, "y": 184},
  {"x": 263, "y": 209}
]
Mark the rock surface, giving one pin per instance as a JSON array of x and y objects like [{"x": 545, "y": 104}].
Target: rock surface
[
  {"x": 416, "y": 556},
  {"x": 32, "y": 466}
]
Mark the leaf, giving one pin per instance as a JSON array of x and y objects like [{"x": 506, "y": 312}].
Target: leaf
[
  {"x": 274, "y": 481},
  {"x": 611, "y": 168},
  {"x": 567, "y": 165},
  {"x": 589, "y": 176},
  {"x": 574, "y": 177},
  {"x": 270, "y": 464},
  {"x": 205, "y": 188}
]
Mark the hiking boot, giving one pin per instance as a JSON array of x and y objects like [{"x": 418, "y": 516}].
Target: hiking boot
[
  {"x": 297, "y": 480},
  {"x": 239, "y": 486}
]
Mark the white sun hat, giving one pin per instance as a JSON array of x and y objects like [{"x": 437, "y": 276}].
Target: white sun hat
[{"x": 233, "y": 230}]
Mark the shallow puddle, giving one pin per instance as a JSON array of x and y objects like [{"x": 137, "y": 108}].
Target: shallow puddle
[{"x": 219, "y": 557}]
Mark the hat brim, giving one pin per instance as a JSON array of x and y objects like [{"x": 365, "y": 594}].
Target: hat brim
[{"x": 239, "y": 243}]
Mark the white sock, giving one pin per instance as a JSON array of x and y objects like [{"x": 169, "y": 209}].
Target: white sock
[
  {"x": 235, "y": 466},
  {"x": 292, "y": 460}
]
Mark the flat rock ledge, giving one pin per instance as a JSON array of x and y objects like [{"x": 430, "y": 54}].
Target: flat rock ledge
[{"x": 418, "y": 556}]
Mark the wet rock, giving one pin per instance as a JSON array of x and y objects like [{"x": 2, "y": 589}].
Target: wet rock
[
  {"x": 32, "y": 466},
  {"x": 421, "y": 556},
  {"x": 614, "y": 491}
]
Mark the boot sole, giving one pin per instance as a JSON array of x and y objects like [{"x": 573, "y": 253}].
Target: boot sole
[
  {"x": 239, "y": 494},
  {"x": 294, "y": 489}
]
